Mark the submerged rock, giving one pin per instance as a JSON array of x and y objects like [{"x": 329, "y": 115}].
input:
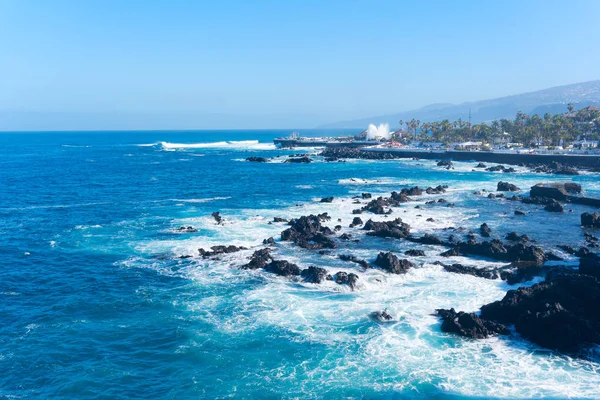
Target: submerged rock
[
  {"x": 257, "y": 159},
  {"x": 299, "y": 160},
  {"x": 354, "y": 259},
  {"x": 381, "y": 316}
]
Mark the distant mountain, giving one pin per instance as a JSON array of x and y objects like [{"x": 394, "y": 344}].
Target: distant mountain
[{"x": 552, "y": 100}]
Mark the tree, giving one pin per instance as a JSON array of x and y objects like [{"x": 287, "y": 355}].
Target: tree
[{"x": 570, "y": 107}]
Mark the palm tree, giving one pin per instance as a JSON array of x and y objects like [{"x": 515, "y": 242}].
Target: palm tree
[{"x": 571, "y": 108}]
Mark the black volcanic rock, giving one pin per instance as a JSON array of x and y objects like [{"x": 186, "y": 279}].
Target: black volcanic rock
[
  {"x": 414, "y": 253},
  {"x": 390, "y": 229},
  {"x": 380, "y": 316},
  {"x": 506, "y": 187},
  {"x": 260, "y": 258},
  {"x": 315, "y": 275},
  {"x": 257, "y": 159},
  {"x": 560, "y": 313},
  {"x": 366, "y": 195},
  {"x": 590, "y": 220},
  {"x": 390, "y": 263},
  {"x": 485, "y": 230},
  {"x": 308, "y": 233},
  {"x": 217, "y": 216},
  {"x": 445, "y": 163},
  {"x": 479, "y": 272},
  {"x": 283, "y": 268},
  {"x": 215, "y": 250},
  {"x": 356, "y": 221},
  {"x": 469, "y": 325},
  {"x": 299, "y": 160},
  {"x": 354, "y": 259},
  {"x": 344, "y": 278},
  {"x": 327, "y": 200},
  {"x": 554, "y": 206}
]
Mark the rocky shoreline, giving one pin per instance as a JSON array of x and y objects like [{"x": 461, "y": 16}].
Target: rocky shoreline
[
  {"x": 559, "y": 312},
  {"x": 559, "y": 164}
]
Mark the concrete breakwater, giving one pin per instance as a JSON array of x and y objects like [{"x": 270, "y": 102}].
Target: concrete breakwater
[{"x": 579, "y": 160}]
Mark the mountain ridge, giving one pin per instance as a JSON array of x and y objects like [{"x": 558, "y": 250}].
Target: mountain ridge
[{"x": 551, "y": 100}]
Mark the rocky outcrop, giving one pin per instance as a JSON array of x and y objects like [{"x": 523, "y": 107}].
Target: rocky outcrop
[
  {"x": 388, "y": 229},
  {"x": 478, "y": 272},
  {"x": 414, "y": 253},
  {"x": 554, "y": 206},
  {"x": 315, "y": 275},
  {"x": 327, "y": 200},
  {"x": 354, "y": 259},
  {"x": 218, "y": 218},
  {"x": 507, "y": 187},
  {"x": 307, "y": 232},
  {"x": 299, "y": 160},
  {"x": 485, "y": 230},
  {"x": 381, "y": 316},
  {"x": 257, "y": 159},
  {"x": 215, "y": 250},
  {"x": 282, "y": 268},
  {"x": 366, "y": 195},
  {"x": 186, "y": 229},
  {"x": 260, "y": 259},
  {"x": 344, "y": 278},
  {"x": 445, "y": 163},
  {"x": 392, "y": 264},
  {"x": 356, "y": 221},
  {"x": 469, "y": 325},
  {"x": 590, "y": 220},
  {"x": 560, "y": 313}
]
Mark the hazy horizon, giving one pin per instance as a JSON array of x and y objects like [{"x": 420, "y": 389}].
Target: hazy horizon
[{"x": 186, "y": 66}]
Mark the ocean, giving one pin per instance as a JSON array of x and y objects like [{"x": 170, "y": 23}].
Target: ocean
[{"x": 96, "y": 301}]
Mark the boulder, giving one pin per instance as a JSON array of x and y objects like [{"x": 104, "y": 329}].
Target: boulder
[
  {"x": 217, "y": 216},
  {"x": 269, "y": 241},
  {"x": 344, "y": 278},
  {"x": 506, "y": 187},
  {"x": 389, "y": 229},
  {"x": 307, "y": 232},
  {"x": 257, "y": 159},
  {"x": 445, "y": 163},
  {"x": 590, "y": 220},
  {"x": 380, "y": 316},
  {"x": 354, "y": 259},
  {"x": 260, "y": 258},
  {"x": 327, "y": 200},
  {"x": 282, "y": 268},
  {"x": 479, "y": 272},
  {"x": 315, "y": 275},
  {"x": 485, "y": 230},
  {"x": 554, "y": 206},
  {"x": 215, "y": 250},
  {"x": 392, "y": 264},
  {"x": 366, "y": 195},
  {"x": 356, "y": 221},
  {"x": 414, "y": 253},
  {"x": 299, "y": 160}
]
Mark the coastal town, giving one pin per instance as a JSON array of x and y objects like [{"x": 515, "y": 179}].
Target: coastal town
[{"x": 572, "y": 132}]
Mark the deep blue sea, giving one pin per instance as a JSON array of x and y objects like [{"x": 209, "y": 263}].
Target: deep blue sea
[{"x": 95, "y": 301}]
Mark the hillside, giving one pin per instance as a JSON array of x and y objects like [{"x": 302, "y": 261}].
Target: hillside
[{"x": 553, "y": 100}]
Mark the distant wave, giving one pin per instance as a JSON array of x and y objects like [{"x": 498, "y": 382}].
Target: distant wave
[
  {"x": 375, "y": 181},
  {"x": 232, "y": 144}
]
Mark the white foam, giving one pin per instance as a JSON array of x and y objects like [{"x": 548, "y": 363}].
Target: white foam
[{"x": 245, "y": 144}]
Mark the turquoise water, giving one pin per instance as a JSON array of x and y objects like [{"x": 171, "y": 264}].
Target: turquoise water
[{"x": 96, "y": 303}]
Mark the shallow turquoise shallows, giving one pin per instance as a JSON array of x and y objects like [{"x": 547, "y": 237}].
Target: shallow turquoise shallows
[{"x": 96, "y": 300}]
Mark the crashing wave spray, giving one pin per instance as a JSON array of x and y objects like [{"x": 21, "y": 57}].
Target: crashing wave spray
[{"x": 378, "y": 132}]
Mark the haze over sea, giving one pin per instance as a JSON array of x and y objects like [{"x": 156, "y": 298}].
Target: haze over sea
[{"x": 97, "y": 303}]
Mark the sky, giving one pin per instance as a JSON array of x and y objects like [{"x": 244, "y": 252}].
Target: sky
[{"x": 108, "y": 64}]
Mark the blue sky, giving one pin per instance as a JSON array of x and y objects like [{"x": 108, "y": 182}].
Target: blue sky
[{"x": 265, "y": 64}]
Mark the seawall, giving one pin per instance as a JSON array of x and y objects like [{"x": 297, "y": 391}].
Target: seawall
[{"x": 580, "y": 160}]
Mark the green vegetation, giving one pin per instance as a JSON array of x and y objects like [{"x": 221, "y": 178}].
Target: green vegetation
[{"x": 530, "y": 131}]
